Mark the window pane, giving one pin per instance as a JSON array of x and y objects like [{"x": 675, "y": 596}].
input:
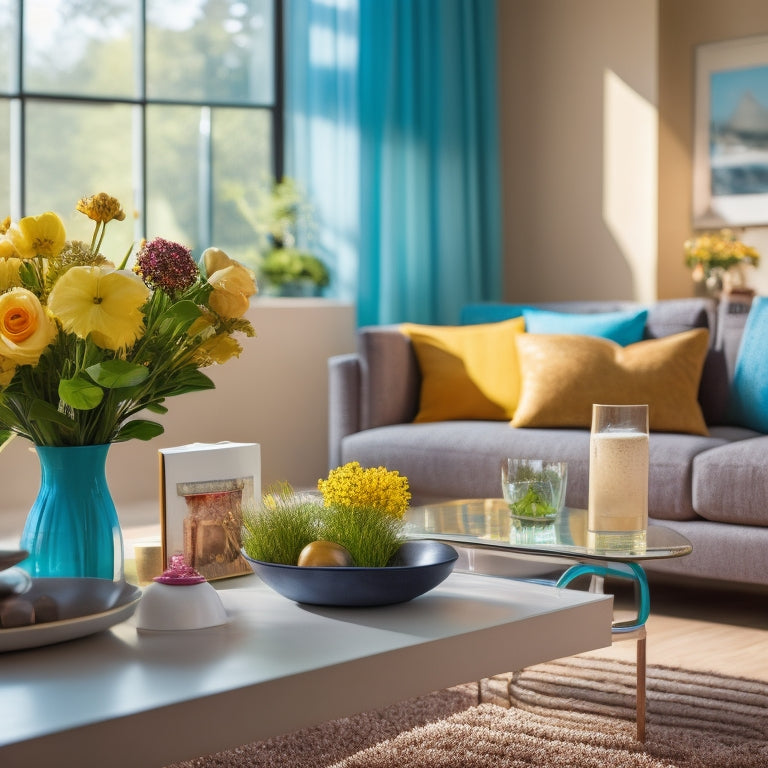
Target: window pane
[
  {"x": 216, "y": 51},
  {"x": 176, "y": 155},
  {"x": 5, "y": 157},
  {"x": 242, "y": 152},
  {"x": 75, "y": 150},
  {"x": 72, "y": 47},
  {"x": 9, "y": 12}
]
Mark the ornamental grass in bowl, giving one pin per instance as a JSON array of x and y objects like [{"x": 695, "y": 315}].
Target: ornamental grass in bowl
[{"x": 344, "y": 546}]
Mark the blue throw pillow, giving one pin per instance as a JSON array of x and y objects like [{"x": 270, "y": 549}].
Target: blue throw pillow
[
  {"x": 626, "y": 327},
  {"x": 748, "y": 401},
  {"x": 489, "y": 312}
]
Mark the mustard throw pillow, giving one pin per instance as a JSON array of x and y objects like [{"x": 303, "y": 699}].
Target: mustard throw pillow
[
  {"x": 467, "y": 372},
  {"x": 563, "y": 375}
]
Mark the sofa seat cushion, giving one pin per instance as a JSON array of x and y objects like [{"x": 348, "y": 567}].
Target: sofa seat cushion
[
  {"x": 730, "y": 482},
  {"x": 462, "y": 459}
]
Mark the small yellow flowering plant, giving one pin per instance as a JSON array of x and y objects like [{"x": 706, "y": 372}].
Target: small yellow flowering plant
[
  {"x": 718, "y": 250},
  {"x": 85, "y": 345},
  {"x": 353, "y": 486},
  {"x": 361, "y": 513}
]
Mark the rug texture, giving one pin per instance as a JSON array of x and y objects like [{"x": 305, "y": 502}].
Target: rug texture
[{"x": 577, "y": 713}]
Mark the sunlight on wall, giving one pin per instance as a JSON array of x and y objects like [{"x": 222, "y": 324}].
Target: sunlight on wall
[{"x": 630, "y": 180}]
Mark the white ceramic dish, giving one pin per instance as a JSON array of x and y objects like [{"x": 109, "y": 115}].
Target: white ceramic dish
[{"x": 86, "y": 606}]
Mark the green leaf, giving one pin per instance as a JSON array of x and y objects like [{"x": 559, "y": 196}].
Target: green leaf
[
  {"x": 5, "y": 437},
  {"x": 189, "y": 380},
  {"x": 114, "y": 374},
  {"x": 156, "y": 408},
  {"x": 41, "y": 410},
  {"x": 80, "y": 393},
  {"x": 180, "y": 315},
  {"x": 140, "y": 429}
]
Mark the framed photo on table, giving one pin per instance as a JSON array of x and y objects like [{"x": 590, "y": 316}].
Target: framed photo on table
[
  {"x": 203, "y": 490},
  {"x": 730, "y": 157}
]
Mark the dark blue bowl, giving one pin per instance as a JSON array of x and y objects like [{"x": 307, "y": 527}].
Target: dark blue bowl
[{"x": 415, "y": 568}]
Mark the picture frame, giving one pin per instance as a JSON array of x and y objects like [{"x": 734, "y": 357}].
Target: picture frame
[
  {"x": 203, "y": 490},
  {"x": 730, "y": 153}
]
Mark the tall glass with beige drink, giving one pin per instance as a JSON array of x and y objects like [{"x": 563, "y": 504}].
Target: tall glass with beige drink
[{"x": 618, "y": 478}]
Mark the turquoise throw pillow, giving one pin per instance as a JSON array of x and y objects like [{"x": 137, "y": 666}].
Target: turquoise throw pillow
[
  {"x": 624, "y": 327},
  {"x": 748, "y": 404},
  {"x": 489, "y": 312}
]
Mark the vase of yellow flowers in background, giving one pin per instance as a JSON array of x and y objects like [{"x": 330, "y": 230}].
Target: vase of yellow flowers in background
[
  {"x": 88, "y": 349},
  {"x": 717, "y": 261}
]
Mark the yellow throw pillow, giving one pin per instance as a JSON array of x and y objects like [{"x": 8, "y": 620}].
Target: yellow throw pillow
[
  {"x": 563, "y": 375},
  {"x": 467, "y": 371}
]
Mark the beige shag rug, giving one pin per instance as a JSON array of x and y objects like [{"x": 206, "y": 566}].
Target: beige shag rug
[{"x": 577, "y": 713}]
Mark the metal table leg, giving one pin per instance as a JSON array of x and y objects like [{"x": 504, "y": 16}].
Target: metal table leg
[{"x": 634, "y": 629}]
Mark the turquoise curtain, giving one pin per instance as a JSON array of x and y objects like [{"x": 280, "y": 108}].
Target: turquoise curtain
[{"x": 404, "y": 149}]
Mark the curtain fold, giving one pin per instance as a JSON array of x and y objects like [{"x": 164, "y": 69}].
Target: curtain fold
[{"x": 411, "y": 114}]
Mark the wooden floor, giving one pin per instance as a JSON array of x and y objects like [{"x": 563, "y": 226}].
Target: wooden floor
[{"x": 705, "y": 627}]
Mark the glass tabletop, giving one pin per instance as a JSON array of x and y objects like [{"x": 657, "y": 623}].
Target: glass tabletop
[{"x": 488, "y": 523}]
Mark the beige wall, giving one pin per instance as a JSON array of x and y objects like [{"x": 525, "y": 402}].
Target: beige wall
[
  {"x": 684, "y": 24},
  {"x": 577, "y": 95},
  {"x": 596, "y": 102}
]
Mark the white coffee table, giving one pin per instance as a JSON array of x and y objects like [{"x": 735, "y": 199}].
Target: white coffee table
[{"x": 123, "y": 698}]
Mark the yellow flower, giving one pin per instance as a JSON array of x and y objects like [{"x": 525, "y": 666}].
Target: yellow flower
[
  {"x": 41, "y": 235},
  {"x": 233, "y": 284},
  {"x": 9, "y": 273},
  {"x": 102, "y": 302},
  {"x": 377, "y": 487},
  {"x": 25, "y": 328},
  {"x": 101, "y": 208},
  {"x": 5, "y": 225},
  {"x": 217, "y": 349},
  {"x": 7, "y": 370}
]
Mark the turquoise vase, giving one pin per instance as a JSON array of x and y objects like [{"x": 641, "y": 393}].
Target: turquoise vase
[{"x": 72, "y": 529}]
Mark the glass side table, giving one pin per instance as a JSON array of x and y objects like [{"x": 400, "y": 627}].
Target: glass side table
[{"x": 474, "y": 525}]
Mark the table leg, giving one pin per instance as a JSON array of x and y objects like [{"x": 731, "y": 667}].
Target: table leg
[{"x": 629, "y": 630}]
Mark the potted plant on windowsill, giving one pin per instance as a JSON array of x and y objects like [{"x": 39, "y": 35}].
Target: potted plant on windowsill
[
  {"x": 293, "y": 272},
  {"x": 284, "y": 222}
]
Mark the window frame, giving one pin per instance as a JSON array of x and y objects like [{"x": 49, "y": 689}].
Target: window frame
[{"x": 17, "y": 98}]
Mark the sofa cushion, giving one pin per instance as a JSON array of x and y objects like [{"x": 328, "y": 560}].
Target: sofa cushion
[
  {"x": 467, "y": 372},
  {"x": 730, "y": 484},
  {"x": 748, "y": 405},
  {"x": 622, "y": 327},
  {"x": 462, "y": 459},
  {"x": 563, "y": 375}
]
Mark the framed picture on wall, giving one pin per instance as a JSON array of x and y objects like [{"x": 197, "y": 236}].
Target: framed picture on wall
[
  {"x": 204, "y": 488},
  {"x": 730, "y": 154}
]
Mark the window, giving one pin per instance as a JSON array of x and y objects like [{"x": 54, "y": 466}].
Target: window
[{"x": 172, "y": 106}]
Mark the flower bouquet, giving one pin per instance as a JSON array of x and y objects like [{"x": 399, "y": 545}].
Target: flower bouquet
[
  {"x": 88, "y": 348},
  {"x": 713, "y": 255}
]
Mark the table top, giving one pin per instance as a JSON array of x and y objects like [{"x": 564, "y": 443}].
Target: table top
[
  {"x": 133, "y": 698},
  {"x": 488, "y": 523}
]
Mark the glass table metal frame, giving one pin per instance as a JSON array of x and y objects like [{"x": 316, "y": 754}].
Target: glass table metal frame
[{"x": 487, "y": 524}]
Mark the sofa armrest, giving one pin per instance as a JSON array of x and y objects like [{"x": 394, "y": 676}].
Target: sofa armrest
[
  {"x": 344, "y": 391},
  {"x": 377, "y": 386},
  {"x": 391, "y": 380}
]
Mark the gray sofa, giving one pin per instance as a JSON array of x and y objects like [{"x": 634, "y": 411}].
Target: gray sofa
[{"x": 713, "y": 489}]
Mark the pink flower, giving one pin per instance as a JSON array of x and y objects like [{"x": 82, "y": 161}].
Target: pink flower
[{"x": 166, "y": 265}]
